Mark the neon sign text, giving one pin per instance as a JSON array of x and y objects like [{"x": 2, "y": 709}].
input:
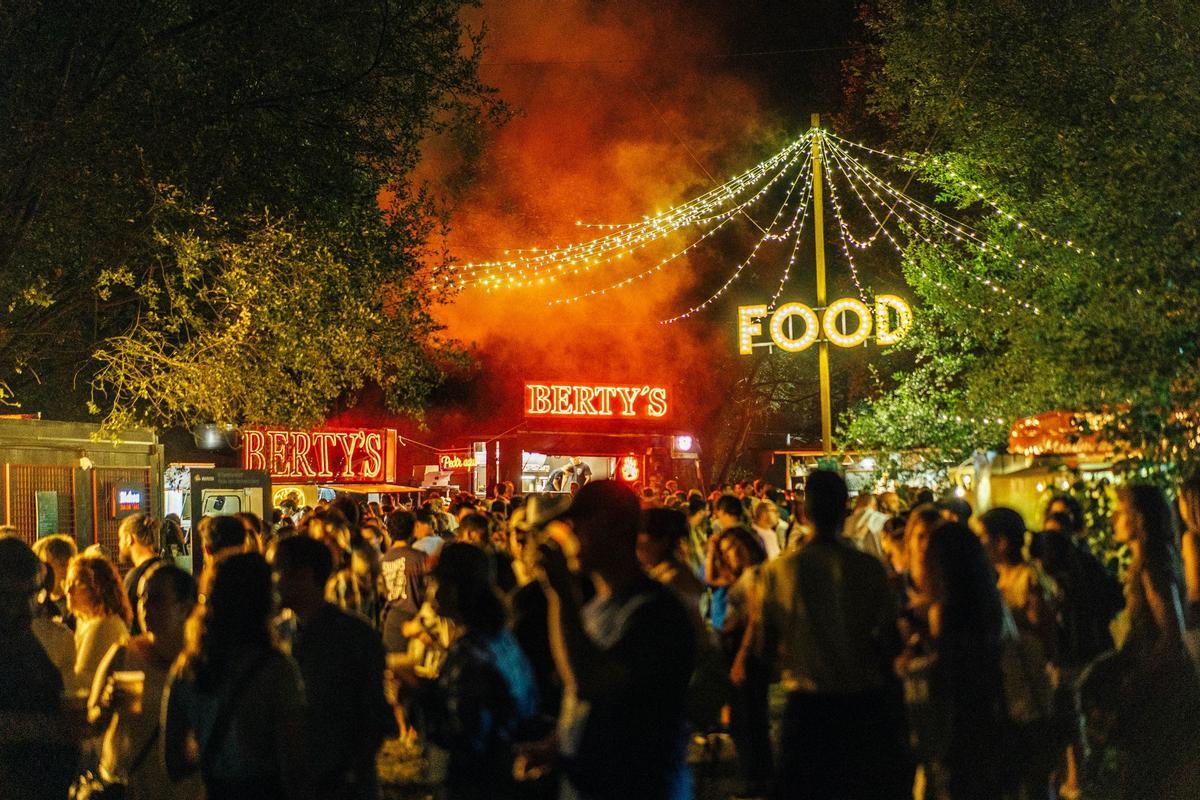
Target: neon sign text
[
  {"x": 449, "y": 462},
  {"x": 782, "y": 324},
  {"x": 604, "y": 402},
  {"x": 129, "y": 500},
  {"x": 341, "y": 456}
]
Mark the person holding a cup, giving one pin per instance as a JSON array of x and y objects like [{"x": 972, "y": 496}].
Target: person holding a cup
[{"x": 127, "y": 692}]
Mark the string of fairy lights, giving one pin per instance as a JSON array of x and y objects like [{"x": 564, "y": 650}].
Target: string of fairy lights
[
  {"x": 860, "y": 178},
  {"x": 975, "y": 189},
  {"x": 536, "y": 266},
  {"x": 902, "y": 221},
  {"x": 766, "y": 235},
  {"x": 796, "y": 227},
  {"x": 881, "y": 229}
]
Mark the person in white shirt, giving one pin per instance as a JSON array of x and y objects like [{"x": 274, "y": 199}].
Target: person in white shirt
[
  {"x": 864, "y": 525},
  {"x": 132, "y": 734},
  {"x": 766, "y": 525},
  {"x": 98, "y": 600},
  {"x": 829, "y": 625}
]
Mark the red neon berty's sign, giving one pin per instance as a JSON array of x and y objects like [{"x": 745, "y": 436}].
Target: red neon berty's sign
[
  {"x": 354, "y": 455},
  {"x": 598, "y": 402}
]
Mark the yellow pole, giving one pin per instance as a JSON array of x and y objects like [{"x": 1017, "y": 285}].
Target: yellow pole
[{"x": 822, "y": 298}]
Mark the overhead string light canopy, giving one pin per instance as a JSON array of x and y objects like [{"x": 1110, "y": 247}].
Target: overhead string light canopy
[
  {"x": 706, "y": 213},
  {"x": 894, "y": 217},
  {"x": 915, "y": 221}
]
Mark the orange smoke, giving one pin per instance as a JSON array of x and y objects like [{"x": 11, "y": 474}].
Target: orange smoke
[{"x": 610, "y": 98}]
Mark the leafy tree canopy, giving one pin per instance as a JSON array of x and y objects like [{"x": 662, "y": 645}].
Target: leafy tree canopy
[
  {"x": 1081, "y": 119},
  {"x": 190, "y": 226}
]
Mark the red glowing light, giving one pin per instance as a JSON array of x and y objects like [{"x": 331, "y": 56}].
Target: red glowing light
[
  {"x": 356, "y": 455},
  {"x": 629, "y": 469},
  {"x": 595, "y": 401}
]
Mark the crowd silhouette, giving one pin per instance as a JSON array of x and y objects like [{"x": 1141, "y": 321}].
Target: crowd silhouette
[{"x": 597, "y": 645}]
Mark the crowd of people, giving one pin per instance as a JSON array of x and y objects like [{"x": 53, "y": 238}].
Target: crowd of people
[{"x": 572, "y": 645}]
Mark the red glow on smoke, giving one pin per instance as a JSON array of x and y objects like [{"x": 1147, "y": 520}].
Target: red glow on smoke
[{"x": 615, "y": 110}]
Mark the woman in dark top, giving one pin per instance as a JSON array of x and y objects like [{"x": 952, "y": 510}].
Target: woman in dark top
[
  {"x": 962, "y": 648},
  {"x": 38, "y": 755},
  {"x": 1160, "y": 706},
  {"x": 234, "y": 694},
  {"x": 484, "y": 693}
]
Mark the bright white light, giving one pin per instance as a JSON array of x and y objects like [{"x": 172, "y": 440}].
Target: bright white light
[
  {"x": 960, "y": 491},
  {"x": 683, "y": 443}
]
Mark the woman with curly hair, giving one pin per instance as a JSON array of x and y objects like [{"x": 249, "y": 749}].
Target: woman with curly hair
[
  {"x": 234, "y": 703},
  {"x": 97, "y": 599}
]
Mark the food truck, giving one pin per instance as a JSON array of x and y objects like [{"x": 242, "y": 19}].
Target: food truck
[
  {"x": 1046, "y": 453},
  {"x": 604, "y": 430}
]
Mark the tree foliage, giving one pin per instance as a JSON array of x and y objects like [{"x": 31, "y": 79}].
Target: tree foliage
[
  {"x": 259, "y": 322},
  {"x": 186, "y": 184},
  {"x": 1080, "y": 119},
  {"x": 923, "y": 412}
]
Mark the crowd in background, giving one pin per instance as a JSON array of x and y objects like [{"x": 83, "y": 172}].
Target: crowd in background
[{"x": 572, "y": 644}]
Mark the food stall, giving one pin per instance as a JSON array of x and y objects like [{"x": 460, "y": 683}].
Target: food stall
[
  {"x": 621, "y": 431},
  {"x": 1047, "y": 453}
]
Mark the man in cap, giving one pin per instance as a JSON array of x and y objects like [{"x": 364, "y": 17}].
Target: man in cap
[{"x": 625, "y": 657}]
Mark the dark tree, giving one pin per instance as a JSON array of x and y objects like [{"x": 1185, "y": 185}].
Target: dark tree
[{"x": 200, "y": 197}]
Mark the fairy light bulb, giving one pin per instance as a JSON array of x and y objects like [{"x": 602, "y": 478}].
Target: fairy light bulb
[
  {"x": 782, "y": 315},
  {"x": 835, "y": 310},
  {"x": 885, "y": 333}
]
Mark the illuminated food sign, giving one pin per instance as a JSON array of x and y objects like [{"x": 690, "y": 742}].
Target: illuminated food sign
[
  {"x": 129, "y": 500},
  {"x": 449, "y": 462},
  {"x": 891, "y": 320},
  {"x": 596, "y": 401},
  {"x": 354, "y": 455}
]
